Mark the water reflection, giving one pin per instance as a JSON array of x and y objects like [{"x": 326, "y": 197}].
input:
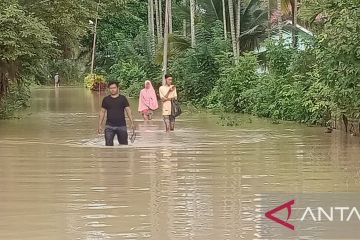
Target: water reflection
[{"x": 201, "y": 182}]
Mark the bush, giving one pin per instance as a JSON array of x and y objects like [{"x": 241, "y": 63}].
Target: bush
[
  {"x": 197, "y": 70},
  {"x": 231, "y": 90},
  {"x": 127, "y": 73},
  {"x": 16, "y": 99},
  {"x": 92, "y": 81}
]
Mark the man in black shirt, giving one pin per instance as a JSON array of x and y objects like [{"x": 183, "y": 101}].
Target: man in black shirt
[{"x": 115, "y": 105}]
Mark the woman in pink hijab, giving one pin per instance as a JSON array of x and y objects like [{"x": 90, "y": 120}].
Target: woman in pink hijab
[{"x": 147, "y": 101}]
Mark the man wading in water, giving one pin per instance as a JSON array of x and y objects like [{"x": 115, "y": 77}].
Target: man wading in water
[
  {"x": 167, "y": 93},
  {"x": 115, "y": 105}
]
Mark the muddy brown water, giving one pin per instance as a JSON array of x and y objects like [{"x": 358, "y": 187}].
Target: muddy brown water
[{"x": 201, "y": 182}]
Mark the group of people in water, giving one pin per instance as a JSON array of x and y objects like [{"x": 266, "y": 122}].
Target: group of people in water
[{"x": 115, "y": 106}]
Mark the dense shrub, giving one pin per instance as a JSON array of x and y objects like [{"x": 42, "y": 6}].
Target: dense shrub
[
  {"x": 92, "y": 81},
  {"x": 16, "y": 99}
]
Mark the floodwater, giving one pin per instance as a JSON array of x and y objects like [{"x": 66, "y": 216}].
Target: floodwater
[{"x": 201, "y": 182}]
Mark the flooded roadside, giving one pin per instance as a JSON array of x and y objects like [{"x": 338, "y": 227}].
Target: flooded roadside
[{"x": 200, "y": 182}]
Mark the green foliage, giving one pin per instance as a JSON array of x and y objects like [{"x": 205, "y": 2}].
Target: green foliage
[
  {"x": 22, "y": 35},
  {"x": 253, "y": 20},
  {"x": 70, "y": 70},
  {"x": 127, "y": 73},
  {"x": 91, "y": 79},
  {"x": 279, "y": 57},
  {"x": 337, "y": 50},
  {"x": 15, "y": 100},
  {"x": 197, "y": 70},
  {"x": 231, "y": 90},
  {"x": 291, "y": 91}
]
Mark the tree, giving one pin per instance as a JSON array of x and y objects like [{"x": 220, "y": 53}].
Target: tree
[
  {"x": 25, "y": 42},
  {"x": 269, "y": 17},
  {"x": 238, "y": 27},
  {"x": 253, "y": 20},
  {"x": 157, "y": 19},
  {"x": 170, "y": 17},
  {"x": 151, "y": 25},
  {"x": 161, "y": 17},
  {"x": 224, "y": 18},
  {"x": 192, "y": 23},
  {"x": 336, "y": 24},
  {"x": 232, "y": 27},
  {"x": 184, "y": 21},
  {"x": 294, "y": 23},
  {"x": 279, "y": 16},
  {"x": 166, "y": 40}
]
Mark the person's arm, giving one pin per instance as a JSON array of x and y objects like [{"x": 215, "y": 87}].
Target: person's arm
[
  {"x": 162, "y": 96},
  {"x": 166, "y": 97},
  {"x": 101, "y": 119},
  {"x": 175, "y": 93},
  {"x": 129, "y": 115}
]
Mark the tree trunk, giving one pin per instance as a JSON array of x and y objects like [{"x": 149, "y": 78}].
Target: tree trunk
[
  {"x": 238, "y": 27},
  {"x": 294, "y": 23},
  {"x": 184, "y": 22},
  {"x": 170, "y": 17},
  {"x": 224, "y": 19},
  {"x": 157, "y": 18},
  {"x": 192, "y": 23},
  {"x": 232, "y": 28},
  {"x": 161, "y": 17},
  {"x": 279, "y": 12},
  {"x": 269, "y": 17},
  {"x": 166, "y": 41},
  {"x": 151, "y": 26}
]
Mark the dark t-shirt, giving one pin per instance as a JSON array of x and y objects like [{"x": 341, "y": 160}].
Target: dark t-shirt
[{"x": 115, "y": 108}]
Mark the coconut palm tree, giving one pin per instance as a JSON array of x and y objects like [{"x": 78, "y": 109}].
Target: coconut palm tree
[
  {"x": 253, "y": 20},
  {"x": 232, "y": 28},
  {"x": 224, "y": 18},
  {"x": 184, "y": 21},
  {"x": 151, "y": 24},
  {"x": 166, "y": 39},
  {"x": 294, "y": 23},
  {"x": 284, "y": 10},
  {"x": 192, "y": 22},
  {"x": 238, "y": 27},
  {"x": 157, "y": 19},
  {"x": 161, "y": 17},
  {"x": 170, "y": 17},
  {"x": 279, "y": 16}
]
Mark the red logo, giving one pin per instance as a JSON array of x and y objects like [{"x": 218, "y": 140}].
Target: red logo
[{"x": 270, "y": 214}]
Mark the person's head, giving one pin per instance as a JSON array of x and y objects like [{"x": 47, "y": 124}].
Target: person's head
[
  {"x": 148, "y": 84},
  {"x": 168, "y": 79},
  {"x": 113, "y": 87}
]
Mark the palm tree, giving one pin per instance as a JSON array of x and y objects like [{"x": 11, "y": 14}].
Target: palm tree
[
  {"x": 253, "y": 21},
  {"x": 166, "y": 40},
  {"x": 161, "y": 17},
  {"x": 232, "y": 28},
  {"x": 238, "y": 27},
  {"x": 151, "y": 24},
  {"x": 294, "y": 23},
  {"x": 279, "y": 17},
  {"x": 157, "y": 16},
  {"x": 184, "y": 21},
  {"x": 253, "y": 25},
  {"x": 224, "y": 18},
  {"x": 269, "y": 16},
  {"x": 287, "y": 8},
  {"x": 170, "y": 17},
  {"x": 192, "y": 22}
]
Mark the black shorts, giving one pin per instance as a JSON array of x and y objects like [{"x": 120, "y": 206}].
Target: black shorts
[{"x": 120, "y": 132}]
